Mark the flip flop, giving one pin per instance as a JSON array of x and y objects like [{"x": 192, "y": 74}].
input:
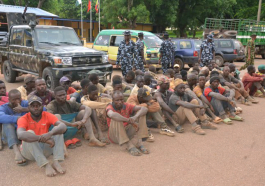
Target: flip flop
[
  {"x": 143, "y": 149},
  {"x": 134, "y": 151},
  {"x": 77, "y": 142},
  {"x": 69, "y": 144},
  {"x": 228, "y": 121},
  {"x": 236, "y": 118},
  {"x": 179, "y": 129},
  {"x": 217, "y": 120},
  {"x": 105, "y": 140},
  {"x": 23, "y": 163}
]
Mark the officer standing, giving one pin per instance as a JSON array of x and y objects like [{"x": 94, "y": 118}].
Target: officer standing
[
  {"x": 127, "y": 53},
  {"x": 166, "y": 53},
  {"x": 207, "y": 51},
  {"x": 140, "y": 52}
]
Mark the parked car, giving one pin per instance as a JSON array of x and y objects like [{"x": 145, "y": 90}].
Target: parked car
[
  {"x": 227, "y": 50},
  {"x": 240, "y": 51},
  {"x": 109, "y": 40},
  {"x": 186, "y": 51}
]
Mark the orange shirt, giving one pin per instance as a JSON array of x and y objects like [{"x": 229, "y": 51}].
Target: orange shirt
[
  {"x": 41, "y": 127},
  {"x": 70, "y": 91}
]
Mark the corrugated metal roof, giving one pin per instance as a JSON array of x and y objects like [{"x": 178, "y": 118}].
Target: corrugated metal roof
[{"x": 20, "y": 9}]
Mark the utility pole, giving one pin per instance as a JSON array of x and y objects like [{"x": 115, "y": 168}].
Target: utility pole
[
  {"x": 259, "y": 10},
  {"x": 81, "y": 20},
  {"x": 91, "y": 24}
]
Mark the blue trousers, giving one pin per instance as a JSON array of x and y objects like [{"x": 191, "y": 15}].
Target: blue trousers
[{"x": 10, "y": 134}]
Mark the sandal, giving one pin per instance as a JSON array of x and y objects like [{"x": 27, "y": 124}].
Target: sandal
[
  {"x": 69, "y": 144},
  {"x": 134, "y": 151},
  {"x": 236, "y": 118},
  {"x": 76, "y": 142},
  {"x": 104, "y": 140},
  {"x": 179, "y": 129},
  {"x": 143, "y": 149},
  {"x": 20, "y": 162},
  {"x": 217, "y": 120},
  {"x": 228, "y": 121}
]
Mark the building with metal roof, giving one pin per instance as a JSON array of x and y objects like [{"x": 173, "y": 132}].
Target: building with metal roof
[{"x": 20, "y": 9}]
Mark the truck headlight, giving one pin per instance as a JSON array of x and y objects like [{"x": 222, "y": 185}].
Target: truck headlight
[
  {"x": 62, "y": 60},
  {"x": 105, "y": 59}
]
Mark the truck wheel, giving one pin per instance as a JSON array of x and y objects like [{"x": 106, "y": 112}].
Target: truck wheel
[
  {"x": 190, "y": 65},
  {"x": 10, "y": 75},
  {"x": 179, "y": 62},
  {"x": 51, "y": 81},
  {"x": 263, "y": 56},
  {"x": 219, "y": 60}
]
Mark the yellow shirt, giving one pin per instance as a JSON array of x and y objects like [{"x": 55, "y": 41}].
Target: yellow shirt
[{"x": 101, "y": 88}]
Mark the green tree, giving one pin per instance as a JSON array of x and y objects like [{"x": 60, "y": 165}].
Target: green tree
[
  {"x": 124, "y": 13},
  {"x": 162, "y": 13}
]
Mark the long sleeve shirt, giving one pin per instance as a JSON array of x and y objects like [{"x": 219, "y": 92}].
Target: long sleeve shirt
[
  {"x": 248, "y": 81},
  {"x": 7, "y": 115}
]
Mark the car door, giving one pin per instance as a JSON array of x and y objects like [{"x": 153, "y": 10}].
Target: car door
[
  {"x": 102, "y": 43},
  {"x": 113, "y": 47},
  {"x": 227, "y": 48},
  {"x": 29, "y": 60},
  {"x": 15, "y": 46}
]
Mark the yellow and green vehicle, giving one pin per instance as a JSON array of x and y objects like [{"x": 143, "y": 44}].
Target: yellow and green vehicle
[{"x": 109, "y": 40}]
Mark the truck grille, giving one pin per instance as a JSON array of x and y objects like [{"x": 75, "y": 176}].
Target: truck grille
[{"x": 86, "y": 60}]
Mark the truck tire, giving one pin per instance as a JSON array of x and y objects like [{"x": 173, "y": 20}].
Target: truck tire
[
  {"x": 219, "y": 60},
  {"x": 179, "y": 62},
  {"x": 51, "y": 81},
  {"x": 10, "y": 75}
]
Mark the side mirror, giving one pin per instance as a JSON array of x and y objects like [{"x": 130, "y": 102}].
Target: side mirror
[{"x": 29, "y": 43}]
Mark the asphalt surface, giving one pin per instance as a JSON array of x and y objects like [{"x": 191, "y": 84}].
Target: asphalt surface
[{"x": 231, "y": 155}]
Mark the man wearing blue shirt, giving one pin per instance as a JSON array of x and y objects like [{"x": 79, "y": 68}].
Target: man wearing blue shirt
[{"x": 9, "y": 114}]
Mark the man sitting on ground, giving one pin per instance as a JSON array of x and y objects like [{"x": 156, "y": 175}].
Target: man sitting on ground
[
  {"x": 129, "y": 78},
  {"x": 139, "y": 84},
  {"x": 149, "y": 81},
  {"x": 240, "y": 93},
  {"x": 9, "y": 114},
  {"x": 38, "y": 142},
  {"x": 77, "y": 96},
  {"x": 184, "y": 75},
  {"x": 153, "y": 72},
  {"x": 198, "y": 90},
  {"x": 253, "y": 82},
  {"x": 126, "y": 120},
  {"x": 95, "y": 80},
  {"x": 176, "y": 68},
  {"x": 221, "y": 100},
  {"x": 65, "y": 82},
  {"x": 95, "y": 101},
  {"x": 144, "y": 98},
  {"x": 41, "y": 91},
  {"x": 74, "y": 114},
  {"x": 29, "y": 86},
  {"x": 162, "y": 96},
  {"x": 186, "y": 107}
]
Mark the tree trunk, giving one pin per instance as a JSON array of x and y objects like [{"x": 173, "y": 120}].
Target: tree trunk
[
  {"x": 40, "y": 3},
  {"x": 1, "y": 1},
  {"x": 20, "y": 2},
  {"x": 182, "y": 32},
  {"x": 194, "y": 33}
]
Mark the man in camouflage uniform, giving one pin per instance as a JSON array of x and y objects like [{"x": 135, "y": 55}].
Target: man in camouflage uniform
[
  {"x": 166, "y": 53},
  {"x": 127, "y": 54},
  {"x": 207, "y": 52},
  {"x": 250, "y": 52},
  {"x": 139, "y": 63}
]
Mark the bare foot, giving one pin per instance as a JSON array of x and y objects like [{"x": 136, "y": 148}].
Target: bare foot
[
  {"x": 50, "y": 172},
  {"x": 56, "y": 165},
  {"x": 96, "y": 143}
]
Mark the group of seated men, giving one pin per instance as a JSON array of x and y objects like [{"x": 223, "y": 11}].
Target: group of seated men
[{"x": 47, "y": 122}]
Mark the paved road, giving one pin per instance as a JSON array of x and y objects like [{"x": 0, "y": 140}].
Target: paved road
[{"x": 231, "y": 155}]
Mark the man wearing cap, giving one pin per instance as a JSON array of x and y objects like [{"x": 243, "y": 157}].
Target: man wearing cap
[
  {"x": 176, "y": 68},
  {"x": 250, "y": 52},
  {"x": 9, "y": 114},
  {"x": 65, "y": 82},
  {"x": 162, "y": 96},
  {"x": 261, "y": 70},
  {"x": 207, "y": 51},
  {"x": 166, "y": 53},
  {"x": 144, "y": 99},
  {"x": 29, "y": 86},
  {"x": 221, "y": 100},
  {"x": 139, "y": 63},
  {"x": 186, "y": 107},
  {"x": 127, "y": 124},
  {"x": 127, "y": 54},
  {"x": 38, "y": 142}
]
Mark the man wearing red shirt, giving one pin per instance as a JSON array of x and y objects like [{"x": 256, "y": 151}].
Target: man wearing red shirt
[
  {"x": 253, "y": 81},
  {"x": 123, "y": 126},
  {"x": 38, "y": 142},
  {"x": 221, "y": 100}
]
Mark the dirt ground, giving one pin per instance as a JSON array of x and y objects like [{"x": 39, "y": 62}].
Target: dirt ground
[{"x": 231, "y": 155}]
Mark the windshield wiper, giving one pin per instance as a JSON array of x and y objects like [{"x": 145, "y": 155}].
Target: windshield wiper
[
  {"x": 50, "y": 43},
  {"x": 69, "y": 43}
]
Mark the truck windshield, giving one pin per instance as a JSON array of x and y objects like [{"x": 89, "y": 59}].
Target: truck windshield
[
  {"x": 152, "y": 41},
  {"x": 57, "y": 36}
]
